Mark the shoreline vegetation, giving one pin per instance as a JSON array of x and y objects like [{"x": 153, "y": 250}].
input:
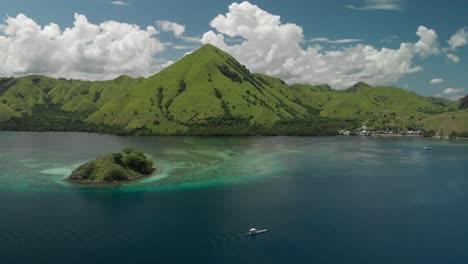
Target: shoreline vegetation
[
  {"x": 128, "y": 165},
  {"x": 209, "y": 93},
  {"x": 270, "y": 135},
  {"x": 315, "y": 126},
  {"x": 113, "y": 183},
  {"x": 365, "y": 131}
]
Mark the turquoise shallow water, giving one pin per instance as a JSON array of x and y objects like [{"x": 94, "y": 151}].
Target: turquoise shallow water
[
  {"x": 41, "y": 161},
  {"x": 325, "y": 200}
]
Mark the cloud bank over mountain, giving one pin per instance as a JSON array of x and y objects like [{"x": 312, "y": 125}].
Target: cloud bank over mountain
[
  {"x": 258, "y": 39},
  {"x": 275, "y": 48},
  {"x": 85, "y": 50}
]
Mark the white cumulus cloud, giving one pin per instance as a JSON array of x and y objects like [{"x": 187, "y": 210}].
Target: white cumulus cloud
[
  {"x": 454, "y": 58},
  {"x": 428, "y": 43},
  {"x": 168, "y": 26},
  {"x": 437, "y": 81},
  {"x": 85, "y": 50},
  {"x": 274, "y": 48},
  {"x": 178, "y": 30},
  {"x": 453, "y": 90},
  {"x": 459, "y": 39}
]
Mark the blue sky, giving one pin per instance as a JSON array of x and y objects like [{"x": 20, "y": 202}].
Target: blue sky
[{"x": 375, "y": 23}]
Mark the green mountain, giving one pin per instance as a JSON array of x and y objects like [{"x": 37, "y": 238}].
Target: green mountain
[
  {"x": 209, "y": 93},
  {"x": 450, "y": 123},
  {"x": 378, "y": 107},
  {"x": 206, "y": 84}
]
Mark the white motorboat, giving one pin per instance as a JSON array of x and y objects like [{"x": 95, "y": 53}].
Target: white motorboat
[
  {"x": 254, "y": 231},
  {"x": 427, "y": 148}
]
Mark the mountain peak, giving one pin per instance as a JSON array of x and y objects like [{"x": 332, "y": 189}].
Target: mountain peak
[
  {"x": 209, "y": 46},
  {"x": 122, "y": 77},
  {"x": 359, "y": 86},
  {"x": 207, "y": 59},
  {"x": 208, "y": 50}
]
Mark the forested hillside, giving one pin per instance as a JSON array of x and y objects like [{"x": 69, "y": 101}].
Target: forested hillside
[{"x": 210, "y": 93}]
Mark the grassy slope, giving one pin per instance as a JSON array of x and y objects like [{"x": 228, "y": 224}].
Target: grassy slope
[
  {"x": 379, "y": 107},
  {"x": 73, "y": 95},
  {"x": 83, "y": 96},
  {"x": 448, "y": 122},
  {"x": 195, "y": 89},
  {"x": 23, "y": 95},
  {"x": 394, "y": 107},
  {"x": 162, "y": 101},
  {"x": 7, "y": 113}
]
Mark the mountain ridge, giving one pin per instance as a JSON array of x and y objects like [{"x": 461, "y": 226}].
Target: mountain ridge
[{"x": 208, "y": 90}]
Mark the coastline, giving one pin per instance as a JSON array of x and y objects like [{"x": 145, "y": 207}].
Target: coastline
[
  {"x": 139, "y": 177},
  {"x": 394, "y": 135}
]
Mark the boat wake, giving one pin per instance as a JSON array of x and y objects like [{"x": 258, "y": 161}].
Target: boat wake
[{"x": 225, "y": 239}]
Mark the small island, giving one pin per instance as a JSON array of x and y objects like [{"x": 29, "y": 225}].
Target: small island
[{"x": 128, "y": 165}]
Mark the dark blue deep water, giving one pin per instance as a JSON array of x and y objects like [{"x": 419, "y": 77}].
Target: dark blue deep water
[{"x": 324, "y": 200}]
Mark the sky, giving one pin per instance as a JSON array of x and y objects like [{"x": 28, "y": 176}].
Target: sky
[{"x": 421, "y": 46}]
